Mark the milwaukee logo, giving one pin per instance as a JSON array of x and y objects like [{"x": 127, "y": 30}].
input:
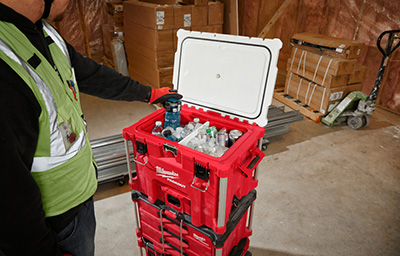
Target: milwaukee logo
[
  {"x": 166, "y": 174},
  {"x": 200, "y": 239}
]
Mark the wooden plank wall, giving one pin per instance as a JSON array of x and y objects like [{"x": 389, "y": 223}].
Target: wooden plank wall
[{"x": 362, "y": 19}]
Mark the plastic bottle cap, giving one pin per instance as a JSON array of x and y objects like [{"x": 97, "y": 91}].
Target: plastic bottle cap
[
  {"x": 166, "y": 133},
  {"x": 158, "y": 123},
  {"x": 196, "y": 120},
  {"x": 173, "y": 99}
]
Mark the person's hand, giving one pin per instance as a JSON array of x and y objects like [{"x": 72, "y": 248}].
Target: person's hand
[{"x": 163, "y": 94}]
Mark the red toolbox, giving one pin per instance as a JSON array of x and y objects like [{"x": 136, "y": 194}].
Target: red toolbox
[
  {"x": 164, "y": 230},
  {"x": 228, "y": 81}
]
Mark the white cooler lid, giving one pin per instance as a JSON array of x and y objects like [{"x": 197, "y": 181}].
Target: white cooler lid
[{"x": 232, "y": 75}]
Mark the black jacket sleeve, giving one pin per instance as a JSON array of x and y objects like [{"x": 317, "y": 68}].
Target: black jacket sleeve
[
  {"x": 101, "y": 81},
  {"x": 23, "y": 227}
]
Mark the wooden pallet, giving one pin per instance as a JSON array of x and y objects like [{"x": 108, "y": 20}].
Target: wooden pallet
[{"x": 295, "y": 104}]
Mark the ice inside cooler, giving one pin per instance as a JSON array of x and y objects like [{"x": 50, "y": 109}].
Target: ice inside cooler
[{"x": 202, "y": 143}]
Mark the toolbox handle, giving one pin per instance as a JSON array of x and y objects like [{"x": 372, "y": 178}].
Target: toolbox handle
[
  {"x": 250, "y": 166},
  {"x": 128, "y": 158}
]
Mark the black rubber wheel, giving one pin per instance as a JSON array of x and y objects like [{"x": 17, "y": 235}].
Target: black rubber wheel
[
  {"x": 121, "y": 182},
  {"x": 248, "y": 253},
  {"x": 365, "y": 121},
  {"x": 356, "y": 122}
]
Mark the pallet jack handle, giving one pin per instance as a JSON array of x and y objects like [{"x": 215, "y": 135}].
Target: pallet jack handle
[{"x": 392, "y": 44}]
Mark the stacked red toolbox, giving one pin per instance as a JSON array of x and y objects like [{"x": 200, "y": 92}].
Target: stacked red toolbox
[{"x": 188, "y": 202}]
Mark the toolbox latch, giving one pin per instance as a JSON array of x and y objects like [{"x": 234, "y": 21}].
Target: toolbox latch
[
  {"x": 141, "y": 148},
  {"x": 201, "y": 178}
]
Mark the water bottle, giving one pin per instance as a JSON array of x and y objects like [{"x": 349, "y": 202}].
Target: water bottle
[
  {"x": 172, "y": 113},
  {"x": 167, "y": 133},
  {"x": 196, "y": 122},
  {"x": 178, "y": 133},
  {"x": 157, "y": 129},
  {"x": 187, "y": 130}
]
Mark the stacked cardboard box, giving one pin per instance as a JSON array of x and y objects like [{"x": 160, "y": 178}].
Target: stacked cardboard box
[
  {"x": 150, "y": 28},
  {"x": 322, "y": 70}
]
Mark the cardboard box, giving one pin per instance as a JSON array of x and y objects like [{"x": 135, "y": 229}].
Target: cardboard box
[
  {"x": 328, "y": 45},
  {"x": 182, "y": 16},
  {"x": 215, "y": 13},
  {"x": 147, "y": 75},
  {"x": 209, "y": 28},
  {"x": 321, "y": 77},
  {"x": 321, "y": 63},
  {"x": 114, "y": 7},
  {"x": 158, "y": 2},
  {"x": 199, "y": 15},
  {"x": 318, "y": 97},
  {"x": 157, "y": 40},
  {"x": 161, "y": 59},
  {"x": 118, "y": 19},
  {"x": 151, "y": 15},
  {"x": 201, "y": 2},
  {"x": 358, "y": 75},
  {"x": 186, "y": 1}
]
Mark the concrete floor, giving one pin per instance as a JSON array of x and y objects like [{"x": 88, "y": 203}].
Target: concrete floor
[{"x": 322, "y": 190}]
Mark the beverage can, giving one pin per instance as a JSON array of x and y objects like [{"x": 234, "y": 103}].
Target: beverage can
[
  {"x": 234, "y": 135},
  {"x": 222, "y": 138}
]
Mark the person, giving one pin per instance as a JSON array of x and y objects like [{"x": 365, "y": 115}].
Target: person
[{"x": 47, "y": 172}]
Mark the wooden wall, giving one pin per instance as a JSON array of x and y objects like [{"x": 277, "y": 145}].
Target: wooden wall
[
  {"x": 363, "y": 20},
  {"x": 359, "y": 19}
]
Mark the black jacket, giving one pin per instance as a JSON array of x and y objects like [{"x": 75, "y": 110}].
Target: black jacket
[{"x": 23, "y": 228}]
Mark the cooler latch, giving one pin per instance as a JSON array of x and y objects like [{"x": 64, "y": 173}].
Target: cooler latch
[
  {"x": 141, "y": 147},
  {"x": 201, "y": 176}
]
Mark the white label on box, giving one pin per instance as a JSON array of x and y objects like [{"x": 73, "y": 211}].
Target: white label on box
[
  {"x": 187, "y": 20},
  {"x": 332, "y": 106},
  {"x": 160, "y": 18},
  {"x": 339, "y": 50},
  {"x": 336, "y": 96},
  {"x": 159, "y": 27}
]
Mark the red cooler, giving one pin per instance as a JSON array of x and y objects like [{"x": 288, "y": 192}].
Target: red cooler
[{"x": 227, "y": 81}]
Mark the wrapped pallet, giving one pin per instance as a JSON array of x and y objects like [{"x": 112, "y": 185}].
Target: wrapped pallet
[
  {"x": 322, "y": 70},
  {"x": 318, "y": 97}
]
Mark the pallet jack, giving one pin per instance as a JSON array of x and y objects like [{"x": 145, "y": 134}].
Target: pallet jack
[{"x": 356, "y": 108}]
